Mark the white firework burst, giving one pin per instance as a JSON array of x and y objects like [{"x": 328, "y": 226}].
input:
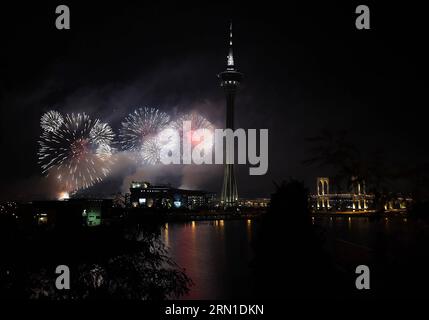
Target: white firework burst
[
  {"x": 150, "y": 151},
  {"x": 142, "y": 124},
  {"x": 78, "y": 152},
  {"x": 51, "y": 120},
  {"x": 104, "y": 152},
  {"x": 101, "y": 133}
]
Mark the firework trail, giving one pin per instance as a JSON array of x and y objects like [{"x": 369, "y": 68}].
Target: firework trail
[
  {"x": 77, "y": 152},
  {"x": 139, "y": 132},
  {"x": 51, "y": 121},
  {"x": 150, "y": 151},
  {"x": 101, "y": 133},
  {"x": 104, "y": 151}
]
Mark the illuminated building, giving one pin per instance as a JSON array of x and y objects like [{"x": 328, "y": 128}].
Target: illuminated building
[
  {"x": 42, "y": 218},
  {"x": 71, "y": 213},
  {"x": 92, "y": 218},
  {"x": 230, "y": 81},
  {"x": 254, "y": 203},
  {"x": 8, "y": 208},
  {"x": 145, "y": 195}
]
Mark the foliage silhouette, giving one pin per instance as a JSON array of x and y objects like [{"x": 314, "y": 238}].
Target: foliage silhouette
[
  {"x": 289, "y": 255},
  {"x": 126, "y": 262}
]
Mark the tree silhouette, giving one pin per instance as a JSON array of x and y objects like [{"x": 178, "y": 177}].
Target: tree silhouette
[
  {"x": 288, "y": 248},
  {"x": 122, "y": 262}
]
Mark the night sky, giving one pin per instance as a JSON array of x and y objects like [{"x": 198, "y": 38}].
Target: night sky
[{"x": 306, "y": 67}]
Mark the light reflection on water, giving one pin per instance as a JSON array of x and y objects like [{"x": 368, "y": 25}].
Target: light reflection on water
[
  {"x": 370, "y": 232},
  {"x": 216, "y": 255},
  {"x": 165, "y": 236},
  {"x": 396, "y": 248}
]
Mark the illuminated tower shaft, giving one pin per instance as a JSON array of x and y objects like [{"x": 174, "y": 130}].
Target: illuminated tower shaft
[{"x": 230, "y": 81}]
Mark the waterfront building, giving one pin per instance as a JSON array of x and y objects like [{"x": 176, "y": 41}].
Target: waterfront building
[{"x": 146, "y": 195}]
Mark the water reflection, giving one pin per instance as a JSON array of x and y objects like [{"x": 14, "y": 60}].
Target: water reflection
[
  {"x": 216, "y": 256},
  {"x": 165, "y": 235},
  {"x": 249, "y": 229},
  {"x": 363, "y": 230}
]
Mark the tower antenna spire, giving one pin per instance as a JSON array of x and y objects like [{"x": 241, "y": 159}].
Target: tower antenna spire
[{"x": 230, "y": 58}]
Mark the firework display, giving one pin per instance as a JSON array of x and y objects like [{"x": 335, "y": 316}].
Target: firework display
[
  {"x": 77, "y": 152},
  {"x": 197, "y": 122},
  {"x": 141, "y": 125},
  {"x": 143, "y": 132},
  {"x": 101, "y": 133},
  {"x": 51, "y": 120},
  {"x": 150, "y": 151}
]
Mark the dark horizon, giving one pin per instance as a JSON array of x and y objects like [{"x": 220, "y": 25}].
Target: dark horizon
[{"x": 306, "y": 69}]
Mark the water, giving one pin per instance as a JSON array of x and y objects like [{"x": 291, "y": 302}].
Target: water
[
  {"x": 396, "y": 233},
  {"x": 216, "y": 256},
  {"x": 394, "y": 248}
]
